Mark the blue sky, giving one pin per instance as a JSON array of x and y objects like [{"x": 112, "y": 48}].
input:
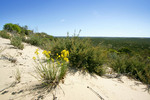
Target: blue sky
[{"x": 110, "y": 18}]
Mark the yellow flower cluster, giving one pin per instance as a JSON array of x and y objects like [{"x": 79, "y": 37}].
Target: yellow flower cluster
[
  {"x": 37, "y": 51},
  {"x": 66, "y": 59},
  {"x": 64, "y": 55},
  {"x": 47, "y": 53}
]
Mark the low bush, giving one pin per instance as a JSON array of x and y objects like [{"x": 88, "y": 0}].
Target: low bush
[
  {"x": 40, "y": 40},
  {"x": 56, "y": 46},
  {"x": 135, "y": 67},
  {"x": 34, "y": 40},
  {"x": 4, "y": 34},
  {"x": 45, "y": 43},
  {"x": 16, "y": 41},
  {"x": 82, "y": 53}
]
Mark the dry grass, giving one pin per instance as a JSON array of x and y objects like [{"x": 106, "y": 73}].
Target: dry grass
[{"x": 17, "y": 75}]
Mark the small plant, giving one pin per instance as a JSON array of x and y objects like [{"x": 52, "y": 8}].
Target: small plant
[
  {"x": 34, "y": 40},
  {"x": 17, "y": 42},
  {"x": 4, "y": 34},
  {"x": 17, "y": 75},
  {"x": 52, "y": 70}
]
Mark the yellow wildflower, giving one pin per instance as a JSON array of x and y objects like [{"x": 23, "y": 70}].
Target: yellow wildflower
[
  {"x": 61, "y": 64},
  {"x": 66, "y": 59},
  {"x": 62, "y": 55},
  {"x": 65, "y": 53},
  {"x": 44, "y": 52},
  {"x": 47, "y": 55},
  {"x": 37, "y": 49},
  {"x": 52, "y": 59},
  {"x": 36, "y": 52},
  {"x": 49, "y": 52},
  {"x": 58, "y": 56},
  {"x": 34, "y": 58}
]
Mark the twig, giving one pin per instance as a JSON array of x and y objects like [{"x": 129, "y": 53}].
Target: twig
[
  {"x": 95, "y": 93},
  {"x": 12, "y": 85},
  {"x": 13, "y": 60},
  {"x": 147, "y": 89},
  {"x": 54, "y": 97}
]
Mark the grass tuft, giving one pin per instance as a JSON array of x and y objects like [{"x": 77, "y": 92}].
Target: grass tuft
[
  {"x": 51, "y": 71},
  {"x": 18, "y": 75}
]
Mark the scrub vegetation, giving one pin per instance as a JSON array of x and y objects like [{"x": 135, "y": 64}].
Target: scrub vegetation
[{"x": 129, "y": 56}]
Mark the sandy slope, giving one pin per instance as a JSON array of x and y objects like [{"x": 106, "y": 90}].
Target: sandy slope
[{"x": 73, "y": 88}]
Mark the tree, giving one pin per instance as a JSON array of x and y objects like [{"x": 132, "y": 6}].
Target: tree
[
  {"x": 16, "y": 28},
  {"x": 24, "y": 30},
  {"x": 8, "y": 27},
  {"x": 12, "y": 28}
]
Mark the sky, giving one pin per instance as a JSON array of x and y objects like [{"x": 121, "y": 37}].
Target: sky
[{"x": 97, "y": 18}]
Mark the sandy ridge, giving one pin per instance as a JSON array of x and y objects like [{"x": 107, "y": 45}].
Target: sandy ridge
[{"x": 77, "y": 85}]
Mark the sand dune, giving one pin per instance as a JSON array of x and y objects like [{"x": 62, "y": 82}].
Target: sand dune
[{"x": 76, "y": 86}]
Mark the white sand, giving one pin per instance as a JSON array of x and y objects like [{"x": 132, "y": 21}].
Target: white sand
[{"x": 74, "y": 86}]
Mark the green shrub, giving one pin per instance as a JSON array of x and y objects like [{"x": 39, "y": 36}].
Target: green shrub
[
  {"x": 17, "y": 42},
  {"x": 23, "y": 38},
  {"x": 58, "y": 45},
  {"x": 34, "y": 40},
  {"x": 82, "y": 53},
  {"x": 118, "y": 63},
  {"x": 25, "y": 31},
  {"x": 45, "y": 43},
  {"x": 4, "y": 34},
  {"x": 135, "y": 67},
  {"x": 39, "y": 39}
]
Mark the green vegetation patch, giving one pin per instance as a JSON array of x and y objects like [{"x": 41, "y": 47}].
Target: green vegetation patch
[
  {"x": 4, "y": 34},
  {"x": 16, "y": 41}
]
